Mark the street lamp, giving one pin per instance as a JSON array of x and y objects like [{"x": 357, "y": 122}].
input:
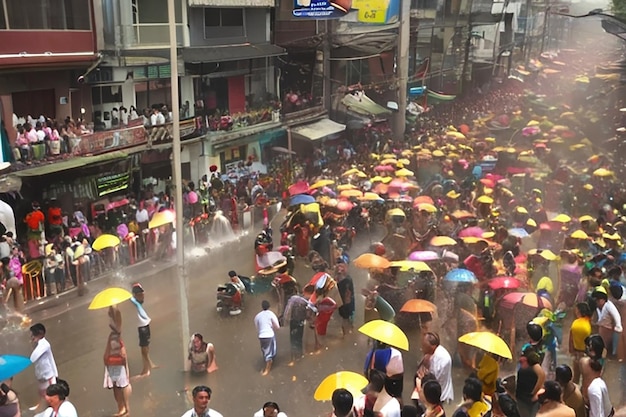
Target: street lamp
[{"x": 177, "y": 179}]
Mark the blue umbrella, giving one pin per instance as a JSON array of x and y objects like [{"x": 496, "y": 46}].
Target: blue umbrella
[
  {"x": 460, "y": 275},
  {"x": 301, "y": 199},
  {"x": 518, "y": 232},
  {"x": 11, "y": 365}
]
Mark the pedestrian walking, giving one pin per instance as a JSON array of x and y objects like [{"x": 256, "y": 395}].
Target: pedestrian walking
[
  {"x": 295, "y": 316},
  {"x": 201, "y": 399},
  {"x": 266, "y": 322},
  {"x": 345, "y": 286},
  {"x": 116, "y": 375},
  {"x": 580, "y": 330},
  {"x": 437, "y": 360},
  {"x": 143, "y": 329},
  {"x": 45, "y": 367}
]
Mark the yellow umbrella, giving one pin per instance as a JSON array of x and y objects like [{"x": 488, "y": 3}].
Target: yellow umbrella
[
  {"x": 374, "y": 156},
  {"x": 389, "y": 161},
  {"x": 109, "y": 297},
  {"x": 442, "y": 241},
  {"x": 404, "y": 161},
  {"x": 348, "y": 380},
  {"x": 472, "y": 239},
  {"x": 602, "y": 172},
  {"x": 406, "y": 152},
  {"x": 579, "y": 234},
  {"x": 404, "y": 173},
  {"x": 322, "y": 183},
  {"x": 369, "y": 196},
  {"x": 438, "y": 153},
  {"x": 389, "y": 156},
  {"x": 585, "y": 218},
  {"x": 407, "y": 265},
  {"x": 351, "y": 193},
  {"x": 488, "y": 342},
  {"x": 105, "y": 241},
  {"x": 562, "y": 218},
  {"x": 161, "y": 219},
  {"x": 343, "y": 187},
  {"x": 386, "y": 180},
  {"x": 484, "y": 199},
  {"x": 370, "y": 260},
  {"x": 396, "y": 212},
  {"x": 546, "y": 254},
  {"x": 427, "y": 207},
  {"x": 351, "y": 171},
  {"x": 386, "y": 332},
  {"x": 456, "y": 135},
  {"x": 378, "y": 178}
]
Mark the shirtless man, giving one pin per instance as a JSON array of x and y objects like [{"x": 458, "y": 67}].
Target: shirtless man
[
  {"x": 551, "y": 404},
  {"x": 595, "y": 349},
  {"x": 143, "y": 329}
]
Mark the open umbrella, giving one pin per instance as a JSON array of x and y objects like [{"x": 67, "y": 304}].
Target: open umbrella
[
  {"x": 403, "y": 172},
  {"x": 344, "y": 187},
  {"x": 579, "y": 234},
  {"x": 322, "y": 183},
  {"x": 301, "y": 187},
  {"x": 527, "y": 298},
  {"x": 417, "y": 305},
  {"x": 389, "y": 161},
  {"x": 301, "y": 199},
  {"x": 344, "y": 205},
  {"x": 109, "y": 297},
  {"x": 424, "y": 256},
  {"x": 602, "y": 172},
  {"x": 561, "y": 218},
  {"x": 442, "y": 241},
  {"x": 487, "y": 342},
  {"x": 105, "y": 241},
  {"x": 499, "y": 283},
  {"x": 546, "y": 254},
  {"x": 386, "y": 332},
  {"x": 408, "y": 265},
  {"x": 428, "y": 208},
  {"x": 351, "y": 193},
  {"x": 518, "y": 232},
  {"x": 348, "y": 380},
  {"x": 369, "y": 196},
  {"x": 370, "y": 260},
  {"x": 351, "y": 171},
  {"x": 384, "y": 168},
  {"x": 423, "y": 199},
  {"x": 460, "y": 275},
  {"x": 462, "y": 214},
  {"x": 474, "y": 231},
  {"x": 11, "y": 365},
  {"x": 162, "y": 218}
]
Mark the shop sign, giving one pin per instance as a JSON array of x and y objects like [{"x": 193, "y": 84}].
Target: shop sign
[
  {"x": 363, "y": 11},
  {"x": 112, "y": 183}
]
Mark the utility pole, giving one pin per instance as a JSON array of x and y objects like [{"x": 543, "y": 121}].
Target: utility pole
[
  {"x": 326, "y": 78},
  {"x": 402, "y": 59},
  {"x": 177, "y": 179}
]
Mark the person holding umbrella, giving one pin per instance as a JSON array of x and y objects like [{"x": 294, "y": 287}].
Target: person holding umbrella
[{"x": 116, "y": 375}]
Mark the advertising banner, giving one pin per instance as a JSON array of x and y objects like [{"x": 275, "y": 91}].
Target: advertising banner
[{"x": 364, "y": 11}]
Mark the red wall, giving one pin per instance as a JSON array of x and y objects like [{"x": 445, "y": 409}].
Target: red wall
[
  {"x": 236, "y": 94},
  {"x": 40, "y": 41}
]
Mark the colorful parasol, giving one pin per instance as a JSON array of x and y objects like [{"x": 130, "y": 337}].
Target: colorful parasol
[
  {"x": 487, "y": 342},
  {"x": 602, "y": 172},
  {"x": 301, "y": 187},
  {"x": 442, "y": 241},
  {"x": 348, "y": 380},
  {"x": 408, "y": 265},
  {"x": 105, "y": 241},
  {"x": 386, "y": 332},
  {"x": 162, "y": 218},
  {"x": 424, "y": 256},
  {"x": 417, "y": 305},
  {"x": 109, "y": 297},
  {"x": 369, "y": 196},
  {"x": 11, "y": 365},
  {"x": 403, "y": 172},
  {"x": 460, "y": 275},
  {"x": 322, "y": 183},
  {"x": 500, "y": 283},
  {"x": 370, "y": 260}
]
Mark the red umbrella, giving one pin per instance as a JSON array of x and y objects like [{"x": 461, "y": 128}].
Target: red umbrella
[
  {"x": 301, "y": 187},
  {"x": 473, "y": 231},
  {"x": 499, "y": 283}
]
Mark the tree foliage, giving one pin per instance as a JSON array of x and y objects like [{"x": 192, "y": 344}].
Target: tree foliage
[{"x": 619, "y": 8}]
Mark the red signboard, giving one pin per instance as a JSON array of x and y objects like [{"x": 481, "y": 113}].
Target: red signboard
[{"x": 109, "y": 140}]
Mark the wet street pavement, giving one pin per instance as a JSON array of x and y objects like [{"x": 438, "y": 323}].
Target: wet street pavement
[{"x": 78, "y": 339}]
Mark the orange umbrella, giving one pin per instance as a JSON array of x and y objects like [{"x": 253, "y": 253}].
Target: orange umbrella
[
  {"x": 351, "y": 193},
  {"x": 442, "y": 241},
  {"x": 423, "y": 199},
  {"x": 462, "y": 214},
  {"x": 370, "y": 260},
  {"x": 417, "y": 305}
]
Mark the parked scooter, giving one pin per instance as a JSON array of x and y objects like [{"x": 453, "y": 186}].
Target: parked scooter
[{"x": 229, "y": 299}]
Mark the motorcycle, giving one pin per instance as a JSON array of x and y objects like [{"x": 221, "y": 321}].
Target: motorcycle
[{"x": 229, "y": 299}]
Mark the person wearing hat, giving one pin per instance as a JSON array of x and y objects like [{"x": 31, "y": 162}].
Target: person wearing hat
[
  {"x": 608, "y": 318},
  {"x": 143, "y": 329}
]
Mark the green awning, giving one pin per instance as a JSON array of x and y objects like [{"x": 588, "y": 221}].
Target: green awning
[
  {"x": 362, "y": 104},
  {"x": 76, "y": 162}
]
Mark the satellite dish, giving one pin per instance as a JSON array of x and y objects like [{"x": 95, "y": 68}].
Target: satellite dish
[
  {"x": 392, "y": 105},
  {"x": 4, "y": 165}
]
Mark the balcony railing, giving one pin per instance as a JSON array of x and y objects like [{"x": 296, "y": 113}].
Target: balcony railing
[{"x": 150, "y": 34}]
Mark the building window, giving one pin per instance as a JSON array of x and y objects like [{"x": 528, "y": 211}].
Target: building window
[
  {"x": 47, "y": 15},
  {"x": 223, "y": 23}
]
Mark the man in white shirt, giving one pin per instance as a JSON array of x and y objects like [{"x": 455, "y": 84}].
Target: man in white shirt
[
  {"x": 154, "y": 118},
  {"x": 45, "y": 367},
  {"x": 266, "y": 322},
  {"x": 608, "y": 318},
  {"x": 143, "y": 329},
  {"x": 437, "y": 360},
  {"x": 201, "y": 399},
  {"x": 598, "y": 393}
]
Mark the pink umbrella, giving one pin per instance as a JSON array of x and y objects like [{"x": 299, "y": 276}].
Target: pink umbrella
[
  {"x": 384, "y": 168},
  {"x": 301, "y": 187},
  {"x": 499, "y": 283},
  {"x": 473, "y": 231},
  {"x": 344, "y": 205},
  {"x": 424, "y": 255}
]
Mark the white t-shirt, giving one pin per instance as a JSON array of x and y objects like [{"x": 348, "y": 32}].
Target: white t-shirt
[
  {"x": 142, "y": 216},
  {"x": 210, "y": 413},
  {"x": 599, "y": 401},
  {"x": 153, "y": 119},
  {"x": 66, "y": 409},
  {"x": 160, "y": 118},
  {"x": 441, "y": 367},
  {"x": 260, "y": 414},
  {"x": 265, "y": 322},
  {"x": 45, "y": 367}
]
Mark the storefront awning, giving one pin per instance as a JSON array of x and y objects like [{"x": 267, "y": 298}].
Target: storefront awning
[
  {"x": 76, "y": 162},
  {"x": 363, "y": 105},
  {"x": 198, "y": 54},
  {"x": 319, "y": 130}
]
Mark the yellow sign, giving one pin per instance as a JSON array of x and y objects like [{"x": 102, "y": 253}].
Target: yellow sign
[{"x": 371, "y": 11}]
